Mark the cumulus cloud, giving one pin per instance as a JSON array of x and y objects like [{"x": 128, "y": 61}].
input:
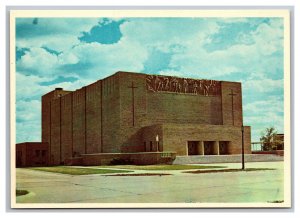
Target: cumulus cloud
[
  {"x": 263, "y": 85},
  {"x": 28, "y": 120},
  {"x": 55, "y": 33},
  {"x": 38, "y": 61},
  {"x": 249, "y": 50}
]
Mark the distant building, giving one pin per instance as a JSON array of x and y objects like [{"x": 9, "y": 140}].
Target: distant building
[
  {"x": 279, "y": 139},
  {"x": 139, "y": 113}
]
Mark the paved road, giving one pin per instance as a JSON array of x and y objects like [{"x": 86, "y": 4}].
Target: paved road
[{"x": 248, "y": 187}]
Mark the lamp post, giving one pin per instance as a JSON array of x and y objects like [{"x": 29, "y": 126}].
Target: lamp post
[
  {"x": 157, "y": 142},
  {"x": 243, "y": 156}
]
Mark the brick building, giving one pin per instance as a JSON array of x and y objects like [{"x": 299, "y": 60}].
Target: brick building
[
  {"x": 138, "y": 113},
  {"x": 29, "y": 154}
]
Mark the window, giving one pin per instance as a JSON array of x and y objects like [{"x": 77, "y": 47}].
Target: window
[{"x": 43, "y": 153}]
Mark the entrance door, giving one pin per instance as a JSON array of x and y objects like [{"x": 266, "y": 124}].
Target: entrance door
[
  {"x": 208, "y": 148},
  {"x": 193, "y": 147},
  {"x": 223, "y": 147}
]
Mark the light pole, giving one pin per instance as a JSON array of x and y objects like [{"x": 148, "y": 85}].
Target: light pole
[
  {"x": 243, "y": 158},
  {"x": 157, "y": 142}
]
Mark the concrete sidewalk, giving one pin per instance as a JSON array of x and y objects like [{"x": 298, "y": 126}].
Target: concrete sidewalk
[{"x": 229, "y": 187}]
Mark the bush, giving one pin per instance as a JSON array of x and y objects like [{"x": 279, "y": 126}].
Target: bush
[{"x": 21, "y": 192}]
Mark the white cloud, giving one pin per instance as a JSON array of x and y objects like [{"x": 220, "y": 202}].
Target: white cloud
[
  {"x": 269, "y": 37},
  {"x": 28, "y": 126},
  {"x": 29, "y": 131},
  {"x": 103, "y": 60},
  {"x": 57, "y": 34},
  {"x": 28, "y": 86},
  {"x": 28, "y": 110},
  {"x": 264, "y": 114},
  {"x": 38, "y": 61},
  {"x": 273, "y": 104},
  {"x": 257, "y": 54},
  {"x": 263, "y": 85}
]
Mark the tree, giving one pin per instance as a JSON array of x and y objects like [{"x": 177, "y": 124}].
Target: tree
[{"x": 269, "y": 139}]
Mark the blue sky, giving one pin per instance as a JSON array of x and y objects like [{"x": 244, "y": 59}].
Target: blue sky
[{"x": 73, "y": 52}]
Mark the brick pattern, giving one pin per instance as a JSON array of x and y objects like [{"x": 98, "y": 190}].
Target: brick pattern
[
  {"x": 149, "y": 138},
  {"x": 174, "y": 137},
  {"x": 55, "y": 145},
  {"x": 93, "y": 118},
  {"x": 66, "y": 127},
  {"x": 109, "y": 116},
  {"x": 232, "y": 115},
  {"x": 30, "y": 154},
  {"x": 79, "y": 143}
]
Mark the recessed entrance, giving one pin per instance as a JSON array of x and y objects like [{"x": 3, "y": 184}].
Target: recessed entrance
[
  {"x": 208, "y": 148},
  {"x": 193, "y": 148},
  {"x": 223, "y": 147}
]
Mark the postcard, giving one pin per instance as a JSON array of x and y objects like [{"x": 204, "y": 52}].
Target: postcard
[{"x": 150, "y": 108}]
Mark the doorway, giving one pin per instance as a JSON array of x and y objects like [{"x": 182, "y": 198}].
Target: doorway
[
  {"x": 208, "y": 148},
  {"x": 193, "y": 147},
  {"x": 223, "y": 147}
]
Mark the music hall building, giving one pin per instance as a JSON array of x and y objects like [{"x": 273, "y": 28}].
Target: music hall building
[{"x": 145, "y": 117}]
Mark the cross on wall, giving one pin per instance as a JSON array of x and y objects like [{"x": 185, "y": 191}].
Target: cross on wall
[{"x": 132, "y": 87}]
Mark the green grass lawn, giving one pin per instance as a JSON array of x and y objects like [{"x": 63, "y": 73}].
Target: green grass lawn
[
  {"x": 77, "y": 171},
  {"x": 162, "y": 167}
]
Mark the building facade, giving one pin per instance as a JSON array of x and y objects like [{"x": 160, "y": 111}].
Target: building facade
[{"x": 134, "y": 112}]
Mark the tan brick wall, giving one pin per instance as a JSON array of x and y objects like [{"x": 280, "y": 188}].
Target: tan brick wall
[
  {"x": 47, "y": 114},
  {"x": 55, "y": 145},
  {"x": 111, "y": 115},
  {"x": 149, "y": 137},
  {"x": 153, "y": 108},
  {"x": 66, "y": 126},
  {"x": 79, "y": 121},
  {"x": 247, "y": 139},
  {"x": 46, "y": 117},
  {"x": 183, "y": 108},
  {"x": 93, "y": 118},
  {"x": 29, "y": 154},
  {"x": 21, "y": 155},
  {"x": 31, "y": 158},
  {"x": 104, "y": 108},
  {"x": 130, "y": 135},
  {"x": 237, "y": 117},
  {"x": 176, "y": 136}
]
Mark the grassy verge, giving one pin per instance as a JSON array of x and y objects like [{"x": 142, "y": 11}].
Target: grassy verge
[
  {"x": 228, "y": 170},
  {"x": 77, "y": 171},
  {"x": 162, "y": 167},
  {"x": 21, "y": 192}
]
